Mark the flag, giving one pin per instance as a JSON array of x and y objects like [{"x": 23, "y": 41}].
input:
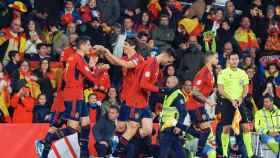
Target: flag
[
  {"x": 191, "y": 26},
  {"x": 67, "y": 147},
  {"x": 235, "y": 122},
  {"x": 246, "y": 38}
]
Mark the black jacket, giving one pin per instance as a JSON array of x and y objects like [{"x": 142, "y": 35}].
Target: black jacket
[
  {"x": 104, "y": 129},
  {"x": 39, "y": 114}
]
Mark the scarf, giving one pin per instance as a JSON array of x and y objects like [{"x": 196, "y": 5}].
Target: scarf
[{"x": 246, "y": 38}]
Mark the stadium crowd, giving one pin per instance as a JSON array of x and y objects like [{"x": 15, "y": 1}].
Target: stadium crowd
[{"x": 196, "y": 68}]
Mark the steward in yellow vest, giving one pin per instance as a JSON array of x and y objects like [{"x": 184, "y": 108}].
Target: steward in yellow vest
[
  {"x": 172, "y": 120},
  {"x": 267, "y": 123}
]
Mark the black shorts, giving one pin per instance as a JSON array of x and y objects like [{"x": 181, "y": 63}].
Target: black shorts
[{"x": 227, "y": 112}]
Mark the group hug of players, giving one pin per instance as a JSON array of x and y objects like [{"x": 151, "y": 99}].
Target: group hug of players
[{"x": 135, "y": 120}]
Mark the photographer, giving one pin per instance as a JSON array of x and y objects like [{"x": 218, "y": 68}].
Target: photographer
[{"x": 190, "y": 59}]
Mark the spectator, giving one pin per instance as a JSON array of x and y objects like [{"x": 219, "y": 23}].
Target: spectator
[
  {"x": 110, "y": 10},
  {"x": 173, "y": 9},
  {"x": 11, "y": 39},
  {"x": 163, "y": 35},
  {"x": 187, "y": 67},
  {"x": 95, "y": 31},
  {"x": 245, "y": 37},
  {"x": 257, "y": 22},
  {"x": 32, "y": 43},
  {"x": 270, "y": 90},
  {"x": 46, "y": 81},
  {"x": 89, "y": 11},
  {"x": 71, "y": 28},
  {"x": 103, "y": 131},
  {"x": 69, "y": 14},
  {"x": 168, "y": 71},
  {"x": 94, "y": 107},
  {"x": 272, "y": 42},
  {"x": 228, "y": 49},
  {"x": 142, "y": 44},
  {"x": 247, "y": 62},
  {"x": 112, "y": 99},
  {"x": 13, "y": 63},
  {"x": 41, "y": 111},
  {"x": 42, "y": 53},
  {"x": 271, "y": 73},
  {"x": 23, "y": 72},
  {"x": 145, "y": 24},
  {"x": 128, "y": 24},
  {"x": 5, "y": 91},
  {"x": 58, "y": 39},
  {"x": 23, "y": 104},
  {"x": 231, "y": 15},
  {"x": 214, "y": 21},
  {"x": 269, "y": 134},
  {"x": 224, "y": 34}
]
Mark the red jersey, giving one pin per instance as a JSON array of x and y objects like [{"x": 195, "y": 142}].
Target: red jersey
[
  {"x": 129, "y": 78},
  {"x": 103, "y": 79},
  {"x": 66, "y": 53},
  {"x": 146, "y": 77},
  {"x": 204, "y": 82},
  {"x": 73, "y": 76}
]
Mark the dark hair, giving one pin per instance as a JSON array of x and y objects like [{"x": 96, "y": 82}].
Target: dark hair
[
  {"x": 114, "y": 107},
  {"x": 42, "y": 61},
  {"x": 269, "y": 97},
  {"x": 171, "y": 52},
  {"x": 39, "y": 45},
  {"x": 12, "y": 54},
  {"x": 232, "y": 54},
  {"x": 131, "y": 41},
  {"x": 165, "y": 70},
  {"x": 82, "y": 40},
  {"x": 143, "y": 33}
]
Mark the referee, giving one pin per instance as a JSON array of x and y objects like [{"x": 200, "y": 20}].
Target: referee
[{"x": 233, "y": 86}]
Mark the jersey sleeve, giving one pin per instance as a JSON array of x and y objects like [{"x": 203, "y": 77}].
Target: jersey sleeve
[
  {"x": 84, "y": 69},
  {"x": 221, "y": 78}
]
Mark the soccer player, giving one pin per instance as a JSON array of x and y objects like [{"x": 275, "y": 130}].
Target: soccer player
[
  {"x": 233, "y": 87},
  {"x": 204, "y": 83},
  {"x": 138, "y": 112}
]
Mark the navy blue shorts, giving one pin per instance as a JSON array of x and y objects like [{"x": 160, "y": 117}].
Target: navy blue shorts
[
  {"x": 56, "y": 119},
  {"x": 133, "y": 114},
  {"x": 74, "y": 110},
  {"x": 199, "y": 115}
]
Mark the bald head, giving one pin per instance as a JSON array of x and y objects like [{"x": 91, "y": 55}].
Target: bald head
[{"x": 172, "y": 82}]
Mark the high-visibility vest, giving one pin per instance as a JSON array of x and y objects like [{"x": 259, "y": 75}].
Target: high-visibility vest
[
  {"x": 170, "y": 112},
  {"x": 267, "y": 120}
]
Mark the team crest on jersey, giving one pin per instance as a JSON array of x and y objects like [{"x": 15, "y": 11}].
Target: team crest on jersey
[
  {"x": 148, "y": 74},
  {"x": 136, "y": 115},
  {"x": 198, "y": 82},
  {"x": 87, "y": 68},
  {"x": 241, "y": 82},
  {"x": 182, "y": 101}
]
